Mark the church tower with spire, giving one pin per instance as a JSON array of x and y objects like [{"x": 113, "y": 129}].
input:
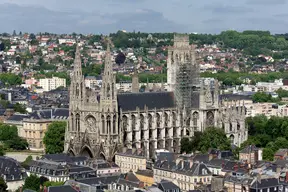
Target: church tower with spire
[{"x": 93, "y": 124}]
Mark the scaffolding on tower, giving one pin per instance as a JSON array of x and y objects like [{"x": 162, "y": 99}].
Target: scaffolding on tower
[{"x": 184, "y": 85}]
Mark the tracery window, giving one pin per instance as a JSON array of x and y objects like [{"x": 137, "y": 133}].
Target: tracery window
[
  {"x": 210, "y": 119},
  {"x": 195, "y": 119}
]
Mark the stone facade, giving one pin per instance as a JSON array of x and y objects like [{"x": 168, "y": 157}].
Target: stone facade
[{"x": 99, "y": 126}]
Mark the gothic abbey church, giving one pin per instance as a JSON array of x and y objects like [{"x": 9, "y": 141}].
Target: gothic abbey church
[{"x": 101, "y": 125}]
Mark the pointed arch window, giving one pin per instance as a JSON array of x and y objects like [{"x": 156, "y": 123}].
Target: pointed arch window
[
  {"x": 149, "y": 121},
  {"x": 109, "y": 124},
  {"x": 210, "y": 119},
  {"x": 231, "y": 126},
  {"x": 108, "y": 91},
  {"x": 114, "y": 124},
  {"x": 125, "y": 123},
  {"x": 77, "y": 90},
  {"x": 133, "y": 122},
  {"x": 188, "y": 122},
  {"x": 72, "y": 122},
  {"x": 158, "y": 120},
  {"x": 238, "y": 126},
  {"x": 113, "y": 90},
  {"x": 166, "y": 119},
  {"x": 77, "y": 122},
  {"x": 174, "y": 119},
  {"x": 103, "y": 124},
  {"x": 195, "y": 119},
  {"x": 141, "y": 122}
]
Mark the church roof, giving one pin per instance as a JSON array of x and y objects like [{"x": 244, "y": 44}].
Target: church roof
[{"x": 152, "y": 100}]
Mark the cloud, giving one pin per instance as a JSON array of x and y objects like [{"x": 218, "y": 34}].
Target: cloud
[
  {"x": 266, "y": 2},
  {"x": 36, "y": 19}
]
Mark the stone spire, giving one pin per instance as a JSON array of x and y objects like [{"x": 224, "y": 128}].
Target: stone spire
[
  {"x": 135, "y": 81},
  {"x": 108, "y": 70},
  {"x": 77, "y": 63},
  {"x": 108, "y": 89}
]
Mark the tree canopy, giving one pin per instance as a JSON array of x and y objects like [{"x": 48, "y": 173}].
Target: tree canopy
[
  {"x": 11, "y": 140},
  {"x": 3, "y": 185},
  {"x": 212, "y": 137},
  {"x": 32, "y": 182},
  {"x": 54, "y": 137},
  {"x": 270, "y": 134}
]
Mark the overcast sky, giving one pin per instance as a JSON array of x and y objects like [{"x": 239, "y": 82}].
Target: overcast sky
[{"x": 105, "y": 16}]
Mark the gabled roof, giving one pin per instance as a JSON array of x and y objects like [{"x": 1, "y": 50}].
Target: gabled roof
[
  {"x": 10, "y": 168},
  {"x": 165, "y": 185},
  {"x": 152, "y": 100},
  {"x": 64, "y": 188}
]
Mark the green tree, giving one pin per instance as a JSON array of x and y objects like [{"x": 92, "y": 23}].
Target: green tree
[
  {"x": 214, "y": 138},
  {"x": 268, "y": 154},
  {"x": 185, "y": 145},
  {"x": 32, "y": 182},
  {"x": 3, "y": 185},
  {"x": 54, "y": 137},
  {"x": 2, "y": 150},
  {"x": 19, "y": 108}
]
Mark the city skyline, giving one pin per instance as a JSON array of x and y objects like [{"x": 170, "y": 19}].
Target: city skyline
[{"x": 142, "y": 15}]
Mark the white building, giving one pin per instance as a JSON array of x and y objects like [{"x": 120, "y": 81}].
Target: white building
[{"x": 49, "y": 84}]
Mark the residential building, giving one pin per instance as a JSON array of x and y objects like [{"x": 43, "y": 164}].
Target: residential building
[
  {"x": 146, "y": 176},
  {"x": 130, "y": 160},
  {"x": 281, "y": 154},
  {"x": 93, "y": 82},
  {"x": 36, "y": 125},
  {"x": 12, "y": 172},
  {"x": 59, "y": 171},
  {"x": 185, "y": 174},
  {"x": 251, "y": 154},
  {"x": 49, "y": 84}
]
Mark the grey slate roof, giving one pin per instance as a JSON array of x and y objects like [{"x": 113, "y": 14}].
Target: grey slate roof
[
  {"x": 152, "y": 100},
  {"x": 10, "y": 168},
  {"x": 17, "y": 117},
  {"x": 64, "y": 188},
  {"x": 249, "y": 149},
  {"x": 265, "y": 183},
  {"x": 165, "y": 185},
  {"x": 51, "y": 113},
  {"x": 63, "y": 157},
  {"x": 99, "y": 180}
]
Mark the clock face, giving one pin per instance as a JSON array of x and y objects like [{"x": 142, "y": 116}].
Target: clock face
[{"x": 91, "y": 122}]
